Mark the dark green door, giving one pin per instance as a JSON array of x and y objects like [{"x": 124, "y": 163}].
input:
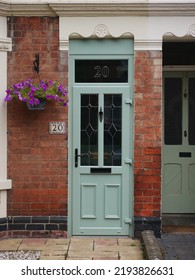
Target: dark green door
[{"x": 179, "y": 143}]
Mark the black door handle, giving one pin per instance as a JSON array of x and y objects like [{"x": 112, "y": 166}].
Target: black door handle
[
  {"x": 101, "y": 114},
  {"x": 76, "y": 155}
]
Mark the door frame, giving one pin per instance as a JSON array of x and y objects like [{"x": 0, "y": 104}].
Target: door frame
[{"x": 126, "y": 51}]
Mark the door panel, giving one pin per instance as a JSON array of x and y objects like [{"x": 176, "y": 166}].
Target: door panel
[
  {"x": 179, "y": 143},
  {"x": 88, "y": 201},
  {"x": 173, "y": 175},
  {"x": 112, "y": 206},
  {"x": 102, "y": 190}
]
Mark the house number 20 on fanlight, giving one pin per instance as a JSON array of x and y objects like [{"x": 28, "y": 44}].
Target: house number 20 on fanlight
[{"x": 103, "y": 71}]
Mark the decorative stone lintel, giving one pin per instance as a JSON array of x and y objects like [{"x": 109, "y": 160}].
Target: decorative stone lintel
[
  {"x": 100, "y": 32},
  {"x": 5, "y": 44}
]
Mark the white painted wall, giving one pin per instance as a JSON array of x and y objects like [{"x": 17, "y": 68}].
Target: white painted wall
[
  {"x": 148, "y": 32},
  {"x": 4, "y": 183}
]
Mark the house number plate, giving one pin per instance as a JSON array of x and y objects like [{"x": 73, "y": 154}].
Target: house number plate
[{"x": 57, "y": 128}]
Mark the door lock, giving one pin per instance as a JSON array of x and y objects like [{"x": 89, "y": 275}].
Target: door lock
[{"x": 185, "y": 133}]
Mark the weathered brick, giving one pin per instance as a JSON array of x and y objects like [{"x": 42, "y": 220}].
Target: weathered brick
[{"x": 148, "y": 130}]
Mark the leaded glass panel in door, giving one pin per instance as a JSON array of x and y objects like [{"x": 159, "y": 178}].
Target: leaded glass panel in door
[
  {"x": 112, "y": 129},
  {"x": 89, "y": 129}
]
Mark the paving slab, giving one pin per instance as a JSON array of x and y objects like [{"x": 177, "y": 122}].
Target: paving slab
[
  {"x": 106, "y": 241},
  {"x": 56, "y": 247},
  {"x": 32, "y": 244},
  {"x": 80, "y": 254},
  {"x": 53, "y": 255},
  {"x": 50, "y": 258},
  {"x": 131, "y": 256},
  {"x": 58, "y": 241},
  {"x": 77, "y": 248},
  {"x": 106, "y": 254},
  {"x": 129, "y": 242},
  {"x": 10, "y": 244},
  {"x": 78, "y": 258}
]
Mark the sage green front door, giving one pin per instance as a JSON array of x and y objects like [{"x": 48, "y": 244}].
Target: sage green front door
[
  {"x": 179, "y": 143},
  {"x": 101, "y": 145}
]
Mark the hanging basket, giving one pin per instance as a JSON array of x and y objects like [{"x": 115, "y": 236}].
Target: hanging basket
[{"x": 40, "y": 106}]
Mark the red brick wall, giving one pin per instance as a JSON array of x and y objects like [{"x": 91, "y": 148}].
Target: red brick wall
[
  {"x": 148, "y": 130},
  {"x": 37, "y": 161}
]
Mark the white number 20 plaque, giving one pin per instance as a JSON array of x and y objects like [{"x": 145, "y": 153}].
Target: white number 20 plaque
[{"x": 57, "y": 128}]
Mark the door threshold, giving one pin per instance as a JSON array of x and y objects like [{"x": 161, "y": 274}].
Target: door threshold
[
  {"x": 178, "y": 223},
  {"x": 178, "y": 229}
]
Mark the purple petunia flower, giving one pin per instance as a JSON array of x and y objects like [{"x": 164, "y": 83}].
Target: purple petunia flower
[
  {"x": 60, "y": 88},
  {"x": 8, "y": 91},
  {"x": 65, "y": 103},
  {"x": 7, "y": 98},
  {"x": 18, "y": 86}
]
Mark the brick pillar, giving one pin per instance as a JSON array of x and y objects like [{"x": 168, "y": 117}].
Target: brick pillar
[
  {"x": 38, "y": 161},
  {"x": 148, "y": 142}
]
